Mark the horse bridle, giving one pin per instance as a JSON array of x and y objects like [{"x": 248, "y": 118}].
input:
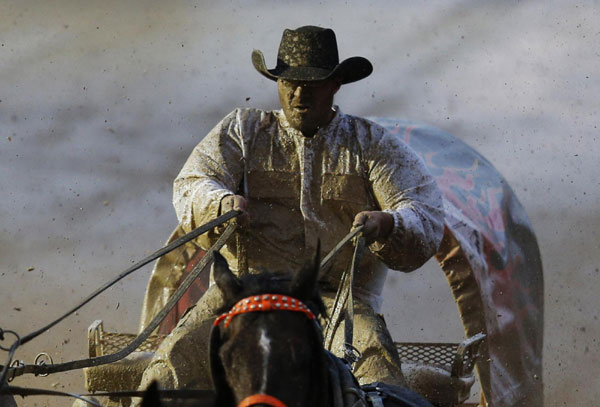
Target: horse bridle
[{"x": 263, "y": 303}]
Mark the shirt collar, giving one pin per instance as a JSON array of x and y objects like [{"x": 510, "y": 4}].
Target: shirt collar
[{"x": 332, "y": 123}]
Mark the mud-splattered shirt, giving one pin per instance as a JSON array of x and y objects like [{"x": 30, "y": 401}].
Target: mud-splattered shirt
[{"x": 302, "y": 189}]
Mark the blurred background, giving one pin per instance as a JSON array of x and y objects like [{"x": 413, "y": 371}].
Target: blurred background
[{"x": 102, "y": 101}]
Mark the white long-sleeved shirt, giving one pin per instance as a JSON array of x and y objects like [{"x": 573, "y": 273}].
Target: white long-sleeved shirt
[{"x": 302, "y": 189}]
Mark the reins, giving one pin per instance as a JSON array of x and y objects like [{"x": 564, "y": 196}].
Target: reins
[
  {"x": 345, "y": 298},
  {"x": 338, "y": 247},
  {"x": 11, "y": 371},
  {"x": 43, "y": 369}
]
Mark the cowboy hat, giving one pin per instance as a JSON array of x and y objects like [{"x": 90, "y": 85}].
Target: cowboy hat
[{"x": 310, "y": 53}]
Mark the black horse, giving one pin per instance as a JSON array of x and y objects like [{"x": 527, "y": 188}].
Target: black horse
[{"x": 266, "y": 348}]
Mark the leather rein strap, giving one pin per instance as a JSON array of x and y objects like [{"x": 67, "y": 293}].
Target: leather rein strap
[
  {"x": 100, "y": 360},
  {"x": 343, "y": 308}
]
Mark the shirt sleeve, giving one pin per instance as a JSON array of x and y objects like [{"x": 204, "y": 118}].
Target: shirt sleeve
[
  {"x": 403, "y": 187},
  {"x": 213, "y": 170}
]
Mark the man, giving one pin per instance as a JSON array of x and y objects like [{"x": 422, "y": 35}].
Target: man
[{"x": 300, "y": 174}]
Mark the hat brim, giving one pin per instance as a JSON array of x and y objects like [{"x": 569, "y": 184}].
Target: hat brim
[{"x": 350, "y": 70}]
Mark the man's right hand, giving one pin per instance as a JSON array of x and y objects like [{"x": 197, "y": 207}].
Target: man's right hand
[{"x": 235, "y": 202}]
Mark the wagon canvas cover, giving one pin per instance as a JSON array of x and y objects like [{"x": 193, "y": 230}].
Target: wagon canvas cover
[{"x": 492, "y": 263}]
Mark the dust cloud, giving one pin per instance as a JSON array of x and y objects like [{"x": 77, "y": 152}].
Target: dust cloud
[{"x": 101, "y": 102}]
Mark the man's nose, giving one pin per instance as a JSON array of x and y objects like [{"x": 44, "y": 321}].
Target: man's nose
[{"x": 299, "y": 91}]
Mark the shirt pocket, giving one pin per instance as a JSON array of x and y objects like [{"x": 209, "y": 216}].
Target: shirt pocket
[
  {"x": 273, "y": 185},
  {"x": 345, "y": 188}
]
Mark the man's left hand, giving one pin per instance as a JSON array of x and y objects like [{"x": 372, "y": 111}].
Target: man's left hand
[{"x": 376, "y": 224}]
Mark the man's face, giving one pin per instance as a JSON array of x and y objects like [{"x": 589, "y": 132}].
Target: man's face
[{"x": 307, "y": 105}]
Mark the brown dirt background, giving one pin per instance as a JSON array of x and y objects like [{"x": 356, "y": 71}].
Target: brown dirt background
[{"x": 102, "y": 101}]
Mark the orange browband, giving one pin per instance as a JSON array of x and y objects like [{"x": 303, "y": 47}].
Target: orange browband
[
  {"x": 261, "y": 399},
  {"x": 265, "y": 302}
]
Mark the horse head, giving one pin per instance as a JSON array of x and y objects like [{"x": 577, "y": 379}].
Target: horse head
[{"x": 272, "y": 358}]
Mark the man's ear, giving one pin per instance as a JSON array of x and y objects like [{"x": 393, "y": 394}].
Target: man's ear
[
  {"x": 338, "y": 85},
  {"x": 229, "y": 284}
]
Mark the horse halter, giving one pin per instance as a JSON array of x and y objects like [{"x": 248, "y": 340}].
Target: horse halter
[{"x": 263, "y": 303}]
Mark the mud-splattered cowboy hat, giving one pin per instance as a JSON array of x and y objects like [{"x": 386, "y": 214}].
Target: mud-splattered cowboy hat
[{"x": 310, "y": 53}]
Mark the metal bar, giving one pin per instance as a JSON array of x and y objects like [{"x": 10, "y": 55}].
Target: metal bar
[{"x": 203, "y": 397}]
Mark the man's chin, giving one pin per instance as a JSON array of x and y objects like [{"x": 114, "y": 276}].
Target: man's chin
[
  {"x": 299, "y": 122},
  {"x": 302, "y": 111},
  {"x": 296, "y": 123}
]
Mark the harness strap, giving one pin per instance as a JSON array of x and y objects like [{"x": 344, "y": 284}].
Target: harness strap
[
  {"x": 344, "y": 388},
  {"x": 375, "y": 399},
  {"x": 261, "y": 399}
]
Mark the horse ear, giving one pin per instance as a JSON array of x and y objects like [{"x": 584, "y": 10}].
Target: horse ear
[
  {"x": 304, "y": 283},
  {"x": 151, "y": 396},
  {"x": 224, "y": 393},
  {"x": 229, "y": 284}
]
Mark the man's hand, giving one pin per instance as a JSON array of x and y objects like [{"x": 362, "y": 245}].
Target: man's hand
[
  {"x": 235, "y": 202},
  {"x": 376, "y": 224}
]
